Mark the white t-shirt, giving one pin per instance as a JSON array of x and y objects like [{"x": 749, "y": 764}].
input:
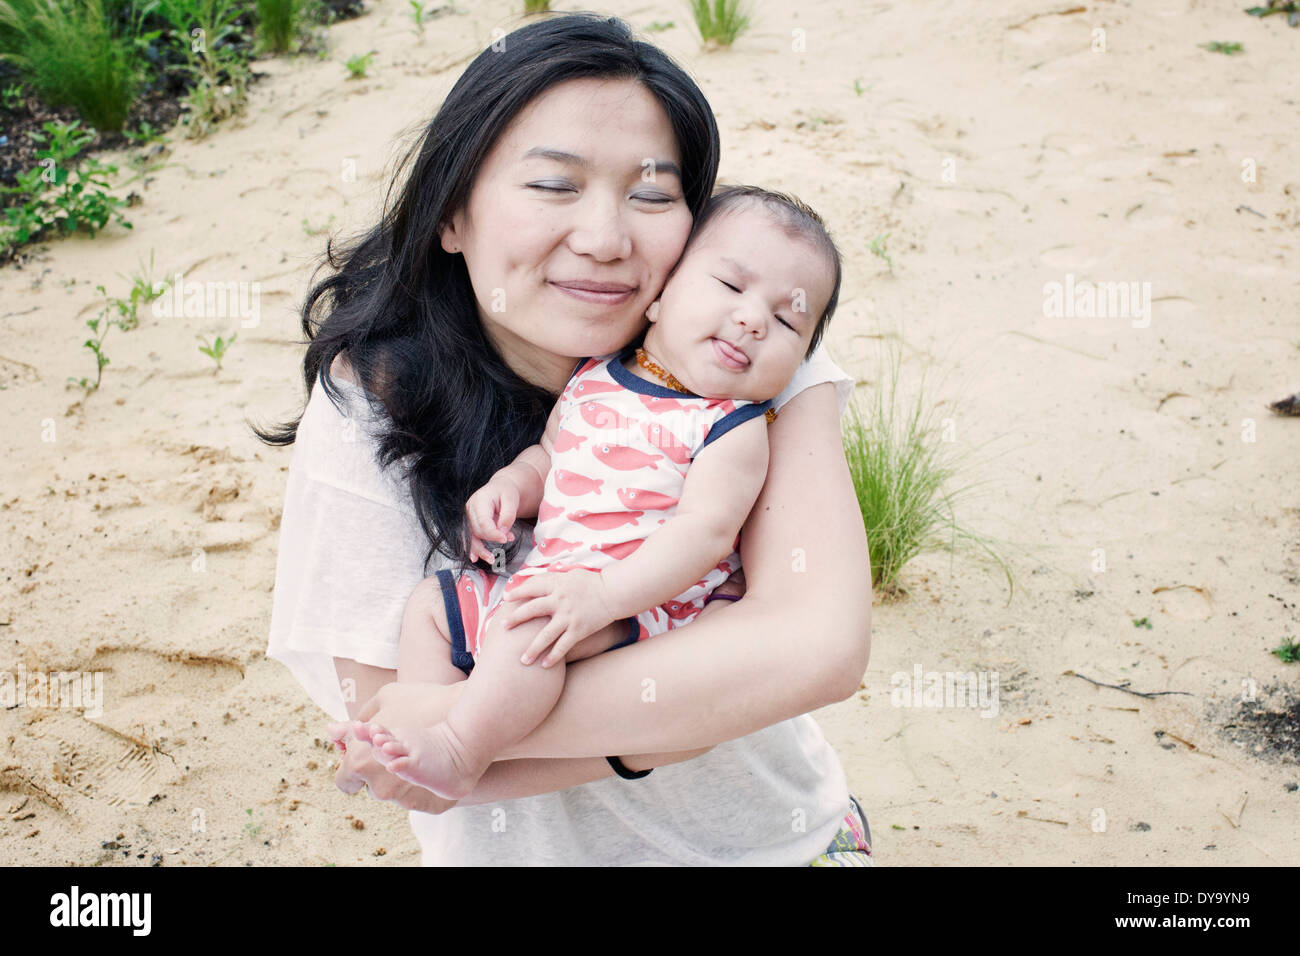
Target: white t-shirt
[{"x": 351, "y": 552}]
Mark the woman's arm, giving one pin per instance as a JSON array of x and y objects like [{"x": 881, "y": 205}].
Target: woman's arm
[{"x": 798, "y": 641}]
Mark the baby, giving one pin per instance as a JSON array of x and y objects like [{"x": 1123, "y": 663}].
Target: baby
[{"x": 648, "y": 467}]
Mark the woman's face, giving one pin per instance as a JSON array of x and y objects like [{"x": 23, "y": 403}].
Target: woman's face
[{"x": 573, "y": 222}]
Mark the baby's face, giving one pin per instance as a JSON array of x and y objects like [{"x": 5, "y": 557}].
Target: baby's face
[{"x": 735, "y": 319}]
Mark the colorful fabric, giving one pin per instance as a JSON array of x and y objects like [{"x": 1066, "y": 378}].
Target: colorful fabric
[
  {"x": 852, "y": 845},
  {"x": 618, "y": 467}
]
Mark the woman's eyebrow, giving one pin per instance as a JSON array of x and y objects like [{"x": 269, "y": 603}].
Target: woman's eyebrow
[{"x": 572, "y": 159}]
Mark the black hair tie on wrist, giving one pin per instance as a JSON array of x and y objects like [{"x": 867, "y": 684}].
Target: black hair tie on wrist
[{"x": 623, "y": 772}]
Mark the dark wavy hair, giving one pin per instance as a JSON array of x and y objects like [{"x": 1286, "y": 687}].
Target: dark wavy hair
[{"x": 403, "y": 310}]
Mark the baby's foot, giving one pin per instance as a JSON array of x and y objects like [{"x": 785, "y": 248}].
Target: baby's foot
[{"x": 429, "y": 757}]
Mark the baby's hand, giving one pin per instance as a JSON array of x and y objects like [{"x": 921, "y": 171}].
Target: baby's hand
[
  {"x": 491, "y": 513},
  {"x": 575, "y": 599}
]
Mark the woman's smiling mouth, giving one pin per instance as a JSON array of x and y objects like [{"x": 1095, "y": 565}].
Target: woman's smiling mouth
[{"x": 601, "y": 293}]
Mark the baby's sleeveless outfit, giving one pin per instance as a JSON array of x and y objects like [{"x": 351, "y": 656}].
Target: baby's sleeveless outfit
[{"x": 618, "y": 467}]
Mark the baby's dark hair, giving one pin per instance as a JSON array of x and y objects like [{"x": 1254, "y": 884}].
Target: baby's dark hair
[{"x": 797, "y": 218}]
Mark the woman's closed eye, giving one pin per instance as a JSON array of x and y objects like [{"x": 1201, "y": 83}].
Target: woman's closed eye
[{"x": 656, "y": 199}]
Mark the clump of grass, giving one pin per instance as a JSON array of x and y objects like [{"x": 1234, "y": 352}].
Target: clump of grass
[
  {"x": 277, "y": 24},
  {"x": 71, "y": 56},
  {"x": 357, "y": 65},
  {"x": 901, "y": 473},
  {"x": 719, "y": 22},
  {"x": 216, "y": 349},
  {"x": 1218, "y": 46},
  {"x": 1288, "y": 652}
]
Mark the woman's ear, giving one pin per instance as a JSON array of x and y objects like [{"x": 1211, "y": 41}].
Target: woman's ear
[
  {"x": 449, "y": 236},
  {"x": 652, "y": 313}
]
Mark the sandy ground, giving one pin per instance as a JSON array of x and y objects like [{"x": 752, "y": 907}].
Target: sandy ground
[{"x": 1001, "y": 150}]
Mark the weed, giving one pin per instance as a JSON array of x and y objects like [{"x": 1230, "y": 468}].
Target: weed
[
  {"x": 1288, "y": 652},
  {"x": 277, "y": 23},
  {"x": 71, "y": 55},
  {"x": 58, "y": 193},
  {"x": 878, "y": 249},
  {"x": 659, "y": 26},
  {"x": 252, "y": 829},
  {"x": 357, "y": 65},
  {"x": 899, "y": 474},
  {"x": 12, "y": 96},
  {"x": 216, "y": 350},
  {"x": 1218, "y": 46},
  {"x": 1143, "y": 622},
  {"x": 311, "y": 230},
  {"x": 1290, "y": 7},
  {"x": 719, "y": 23},
  {"x": 125, "y": 320},
  {"x": 219, "y": 74},
  {"x": 537, "y": 6}
]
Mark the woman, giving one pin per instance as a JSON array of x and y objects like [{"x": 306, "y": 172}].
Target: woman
[{"x": 546, "y": 204}]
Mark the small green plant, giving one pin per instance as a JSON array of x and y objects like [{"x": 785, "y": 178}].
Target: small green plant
[
  {"x": 219, "y": 74},
  {"x": 12, "y": 96},
  {"x": 145, "y": 135},
  {"x": 1290, "y": 7},
  {"x": 858, "y": 87},
  {"x": 311, "y": 230},
  {"x": 878, "y": 249},
  {"x": 277, "y": 23},
  {"x": 659, "y": 26},
  {"x": 216, "y": 350},
  {"x": 900, "y": 473},
  {"x": 252, "y": 829},
  {"x": 125, "y": 319},
  {"x": 358, "y": 65},
  {"x": 720, "y": 22},
  {"x": 1288, "y": 652},
  {"x": 537, "y": 6},
  {"x": 1219, "y": 46},
  {"x": 417, "y": 14},
  {"x": 143, "y": 288},
  {"x": 59, "y": 192},
  {"x": 1143, "y": 622}
]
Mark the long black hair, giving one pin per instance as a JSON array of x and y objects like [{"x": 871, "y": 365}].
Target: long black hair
[{"x": 403, "y": 310}]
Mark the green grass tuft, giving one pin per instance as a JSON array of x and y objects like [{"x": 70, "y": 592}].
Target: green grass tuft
[{"x": 719, "y": 22}]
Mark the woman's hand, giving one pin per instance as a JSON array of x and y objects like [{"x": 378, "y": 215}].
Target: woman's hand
[{"x": 394, "y": 705}]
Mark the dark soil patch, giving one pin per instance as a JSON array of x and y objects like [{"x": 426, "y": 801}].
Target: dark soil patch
[{"x": 1267, "y": 727}]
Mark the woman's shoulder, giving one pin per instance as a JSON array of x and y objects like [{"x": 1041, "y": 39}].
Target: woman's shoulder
[{"x": 815, "y": 370}]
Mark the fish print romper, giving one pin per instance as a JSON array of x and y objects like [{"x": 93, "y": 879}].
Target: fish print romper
[{"x": 618, "y": 467}]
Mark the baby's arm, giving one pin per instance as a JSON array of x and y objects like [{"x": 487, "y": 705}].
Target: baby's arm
[
  {"x": 721, "y": 487},
  {"x": 514, "y": 491}
]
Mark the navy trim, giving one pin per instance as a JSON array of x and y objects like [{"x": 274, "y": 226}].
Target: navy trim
[
  {"x": 633, "y": 629},
  {"x": 459, "y": 656},
  {"x": 637, "y": 384},
  {"x": 581, "y": 361},
  {"x": 731, "y": 420}
]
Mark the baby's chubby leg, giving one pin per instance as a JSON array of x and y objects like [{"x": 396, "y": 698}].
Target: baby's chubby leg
[
  {"x": 424, "y": 649},
  {"x": 502, "y": 702}
]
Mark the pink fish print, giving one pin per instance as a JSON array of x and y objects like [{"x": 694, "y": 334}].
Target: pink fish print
[
  {"x": 619, "y": 550},
  {"x": 647, "y": 500},
  {"x": 678, "y": 609},
  {"x": 603, "y": 521},
  {"x": 595, "y": 387},
  {"x": 666, "y": 442},
  {"x": 546, "y": 511},
  {"x": 659, "y": 405},
  {"x": 553, "y": 546},
  {"x": 624, "y": 459},
  {"x": 573, "y": 485},
  {"x": 567, "y": 440},
  {"x": 602, "y": 416}
]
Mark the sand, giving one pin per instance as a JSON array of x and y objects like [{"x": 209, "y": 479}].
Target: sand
[{"x": 1002, "y": 150}]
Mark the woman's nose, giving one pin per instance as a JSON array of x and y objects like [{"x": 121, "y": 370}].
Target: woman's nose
[{"x": 600, "y": 231}]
